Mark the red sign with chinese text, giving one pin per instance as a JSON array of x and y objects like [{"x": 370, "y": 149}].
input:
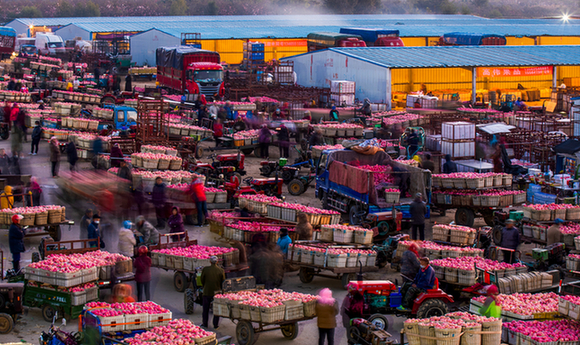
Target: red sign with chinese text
[
  {"x": 286, "y": 43},
  {"x": 483, "y": 72}
]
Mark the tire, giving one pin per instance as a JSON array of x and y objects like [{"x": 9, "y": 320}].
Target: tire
[
  {"x": 266, "y": 170},
  {"x": 381, "y": 260},
  {"x": 306, "y": 275},
  {"x": 35, "y": 257},
  {"x": 380, "y": 321},
  {"x": 497, "y": 234},
  {"x": 55, "y": 232},
  {"x": 198, "y": 152},
  {"x": 6, "y": 323},
  {"x": 189, "y": 301},
  {"x": 488, "y": 217},
  {"x": 239, "y": 126},
  {"x": 238, "y": 176},
  {"x": 247, "y": 152},
  {"x": 352, "y": 215},
  {"x": 464, "y": 216},
  {"x": 108, "y": 100},
  {"x": 257, "y": 152},
  {"x": 559, "y": 269},
  {"x": 5, "y": 135},
  {"x": 384, "y": 228},
  {"x": 296, "y": 187},
  {"x": 245, "y": 333},
  {"x": 432, "y": 307},
  {"x": 180, "y": 281},
  {"x": 353, "y": 335},
  {"x": 290, "y": 331},
  {"x": 347, "y": 278},
  {"x": 48, "y": 312},
  {"x": 287, "y": 175},
  {"x": 79, "y": 337}
]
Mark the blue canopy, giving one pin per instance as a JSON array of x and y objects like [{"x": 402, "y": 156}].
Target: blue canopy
[
  {"x": 6, "y": 31},
  {"x": 466, "y": 38}
]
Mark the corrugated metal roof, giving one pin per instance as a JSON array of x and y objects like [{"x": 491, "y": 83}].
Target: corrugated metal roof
[
  {"x": 223, "y": 27},
  {"x": 464, "y": 56}
]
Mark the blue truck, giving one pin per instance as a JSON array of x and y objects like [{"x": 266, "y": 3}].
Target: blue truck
[
  {"x": 471, "y": 39},
  {"x": 376, "y": 37},
  {"x": 351, "y": 190},
  {"x": 124, "y": 118}
]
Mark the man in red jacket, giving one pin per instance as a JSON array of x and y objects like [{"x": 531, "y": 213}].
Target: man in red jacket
[
  {"x": 197, "y": 191},
  {"x": 218, "y": 131}
]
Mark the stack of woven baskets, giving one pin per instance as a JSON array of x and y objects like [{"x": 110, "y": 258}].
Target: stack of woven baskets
[{"x": 35, "y": 216}]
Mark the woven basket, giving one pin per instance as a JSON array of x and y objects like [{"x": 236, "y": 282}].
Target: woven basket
[
  {"x": 560, "y": 213},
  {"x": 392, "y": 197},
  {"x": 492, "y": 332},
  {"x": 326, "y": 234},
  {"x": 497, "y": 180},
  {"x": 163, "y": 164},
  {"x": 28, "y": 220},
  {"x": 41, "y": 218},
  {"x": 448, "y": 336},
  {"x": 475, "y": 183},
  {"x": 54, "y": 216},
  {"x": 149, "y": 163},
  {"x": 573, "y": 214},
  {"x": 210, "y": 196},
  {"x": 427, "y": 331},
  {"x": 221, "y": 198},
  {"x": 175, "y": 164},
  {"x": 447, "y": 183},
  {"x": 459, "y": 183}
]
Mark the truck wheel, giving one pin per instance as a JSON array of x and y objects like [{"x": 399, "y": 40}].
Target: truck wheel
[
  {"x": 290, "y": 331},
  {"x": 380, "y": 321},
  {"x": 306, "y": 275},
  {"x": 296, "y": 187},
  {"x": 189, "y": 301},
  {"x": 247, "y": 152},
  {"x": 432, "y": 307},
  {"x": 347, "y": 278},
  {"x": 180, "y": 281},
  {"x": 6, "y": 323},
  {"x": 464, "y": 216},
  {"x": 245, "y": 333},
  {"x": 353, "y": 335},
  {"x": 48, "y": 312},
  {"x": 354, "y": 215}
]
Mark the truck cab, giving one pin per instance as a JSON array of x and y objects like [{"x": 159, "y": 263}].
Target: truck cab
[
  {"x": 125, "y": 118},
  {"x": 389, "y": 41},
  {"x": 325, "y": 40},
  {"x": 49, "y": 44},
  {"x": 28, "y": 50},
  {"x": 204, "y": 78}
]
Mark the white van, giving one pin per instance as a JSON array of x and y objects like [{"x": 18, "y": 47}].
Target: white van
[{"x": 49, "y": 44}]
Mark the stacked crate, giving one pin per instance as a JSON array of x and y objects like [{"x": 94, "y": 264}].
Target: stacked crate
[
  {"x": 253, "y": 53},
  {"x": 458, "y": 139},
  {"x": 342, "y": 92}
]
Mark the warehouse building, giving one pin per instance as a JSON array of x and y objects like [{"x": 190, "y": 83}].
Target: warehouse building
[
  {"x": 386, "y": 75},
  {"x": 286, "y": 35}
]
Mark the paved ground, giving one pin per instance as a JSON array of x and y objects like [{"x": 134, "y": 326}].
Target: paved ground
[{"x": 28, "y": 328}]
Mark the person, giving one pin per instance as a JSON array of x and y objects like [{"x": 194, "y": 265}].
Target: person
[
  {"x": 35, "y": 138},
  {"x": 5, "y": 162},
  {"x": 213, "y": 111},
  {"x": 366, "y": 108},
  {"x": 410, "y": 264},
  {"x": 326, "y": 310},
  {"x": 212, "y": 278},
  {"x": 54, "y": 156},
  {"x": 129, "y": 83},
  {"x": 304, "y": 228},
  {"x": 554, "y": 235},
  {"x": 496, "y": 159},
  {"x": 284, "y": 241},
  {"x": 401, "y": 177},
  {"x": 418, "y": 211},
  {"x": 94, "y": 232},
  {"x": 491, "y": 307},
  {"x": 150, "y": 234},
  {"x": 264, "y": 140},
  {"x": 449, "y": 166},
  {"x": 16, "y": 240},
  {"x": 127, "y": 240},
  {"x": 35, "y": 192},
  {"x": 158, "y": 201},
  {"x": 197, "y": 192},
  {"x": 284, "y": 141},
  {"x": 333, "y": 115},
  {"x": 424, "y": 280},
  {"x": 7, "y": 111},
  {"x": 427, "y": 163},
  {"x": 316, "y": 138},
  {"x": 71, "y": 153},
  {"x": 175, "y": 223},
  {"x": 417, "y": 104},
  {"x": 142, "y": 265},
  {"x": 231, "y": 115},
  {"x": 21, "y": 121},
  {"x": 14, "y": 115},
  {"x": 116, "y": 156},
  {"x": 277, "y": 115},
  {"x": 201, "y": 114},
  {"x": 307, "y": 116},
  {"x": 97, "y": 146},
  {"x": 510, "y": 239},
  {"x": 97, "y": 76},
  {"x": 218, "y": 131},
  {"x": 41, "y": 102},
  {"x": 6, "y": 198},
  {"x": 413, "y": 141},
  {"x": 16, "y": 142},
  {"x": 124, "y": 172},
  {"x": 84, "y": 224},
  {"x": 122, "y": 294}
]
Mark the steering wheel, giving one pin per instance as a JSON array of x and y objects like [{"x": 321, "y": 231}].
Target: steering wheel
[{"x": 248, "y": 180}]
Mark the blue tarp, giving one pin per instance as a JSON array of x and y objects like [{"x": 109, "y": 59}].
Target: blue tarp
[
  {"x": 6, "y": 31},
  {"x": 369, "y": 35},
  {"x": 467, "y": 39}
]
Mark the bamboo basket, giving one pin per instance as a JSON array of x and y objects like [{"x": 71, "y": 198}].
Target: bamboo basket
[
  {"x": 41, "y": 218},
  {"x": 163, "y": 164},
  {"x": 28, "y": 220},
  {"x": 175, "y": 164},
  {"x": 149, "y": 163}
]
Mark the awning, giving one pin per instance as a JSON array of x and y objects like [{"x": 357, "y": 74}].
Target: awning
[
  {"x": 570, "y": 146},
  {"x": 495, "y": 128}
]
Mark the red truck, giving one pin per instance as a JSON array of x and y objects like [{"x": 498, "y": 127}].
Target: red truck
[
  {"x": 190, "y": 71},
  {"x": 7, "y": 41},
  {"x": 325, "y": 40}
]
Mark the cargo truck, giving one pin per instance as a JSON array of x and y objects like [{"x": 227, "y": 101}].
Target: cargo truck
[
  {"x": 350, "y": 189},
  {"x": 471, "y": 39},
  {"x": 190, "y": 71},
  {"x": 49, "y": 44},
  {"x": 325, "y": 40},
  {"x": 7, "y": 41},
  {"x": 376, "y": 37}
]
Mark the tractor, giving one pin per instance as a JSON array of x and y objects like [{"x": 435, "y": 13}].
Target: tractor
[
  {"x": 373, "y": 299},
  {"x": 413, "y": 139},
  {"x": 10, "y": 305},
  {"x": 364, "y": 332}
]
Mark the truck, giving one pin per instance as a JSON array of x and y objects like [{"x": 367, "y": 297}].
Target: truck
[
  {"x": 352, "y": 190},
  {"x": 49, "y": 44},
  {"x": 190, "y": 71},
  {"x": 376, "y": 37},
  {"x": 7, "y": 41},
  {"x": 325, "y": 40},
  {"x": 471, "y": 39}
]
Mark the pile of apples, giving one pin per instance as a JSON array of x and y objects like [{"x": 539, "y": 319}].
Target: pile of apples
[
  {"x": 197, "y": 252},
  {"x": 467, "y": 263},
  {"x": 70, "y": 263},
  {"x": 130, "y": 308},
  {"x": 436, "y": 246},
  {"x": 178, "y": 332},
  {"x": 547, "y": 331},
  {"x": 266, "y": 298},
  {"x": 526, "y": 303}
]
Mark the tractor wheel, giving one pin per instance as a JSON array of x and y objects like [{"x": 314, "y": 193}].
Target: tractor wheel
[
  {"x": 35, "y": 257},
  {"x": 79, "y": 337},
  {"x": 266, "y": 170},
  {"x": 560, "y": 269},
  {"x": 353, "y": 335},
  {"x": 198, "y": 152},
  {"x": 258, "y": 152},
  {"x": 55, "y": 232},
  {"x": 239, "y": 126},
  {"x": 306, "y": 275},
  {"x": 381, "y": 260},
  {"x": 247, "y": 152},
  {"x": 380, "y": 321},
  {"x": 432, "y": 307},
  {"x": 497, "y": 234},
  {"x": 347, "y": 278},
  {"x": 296, "y": 187},
  {"x": 5, "y": 135},
  {"x": 464, "y": 216},
  {"x": 48, "y": 312},
  {"x": 287, "y": 175},
  {"x": 189, "y": 301},
  {"x": 290, "y": 331},
  {"x": 180, "y": 281},
  {"x": 108, "y": 100},
  {"x": 384, "y": 228},
  {"x": 237, "y": 176},
  {"x": 6, "y": 323},
  {"x": 488, "y": 217},
  {"x": 353, "y": 215},
  {"x": 245, "y": 333}
]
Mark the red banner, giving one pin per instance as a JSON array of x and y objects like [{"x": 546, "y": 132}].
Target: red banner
[
  {"x": 286, "y": 43},
  {"x": 488, "y": 72}
]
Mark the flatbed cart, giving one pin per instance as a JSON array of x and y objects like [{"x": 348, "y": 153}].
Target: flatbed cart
[{"x": 247, "y": 333}]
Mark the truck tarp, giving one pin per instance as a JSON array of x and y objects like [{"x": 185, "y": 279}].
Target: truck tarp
[
  {"x": 173, "y": 56},
  {"x": 6, "y": 31},
  {"x": 466, "y": 38},
  {"x": 362, "y": 181},
  {"x": 369, "y": 35},
  {"x": 330, "y": 36}
]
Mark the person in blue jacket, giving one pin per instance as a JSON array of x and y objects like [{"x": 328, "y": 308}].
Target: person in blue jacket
[
  {"x": 424, "y": 280},
  {"x": 284, "y": 241},
  {"x": 16, "y": 241},
  {"x": 94, "y": 231}
]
